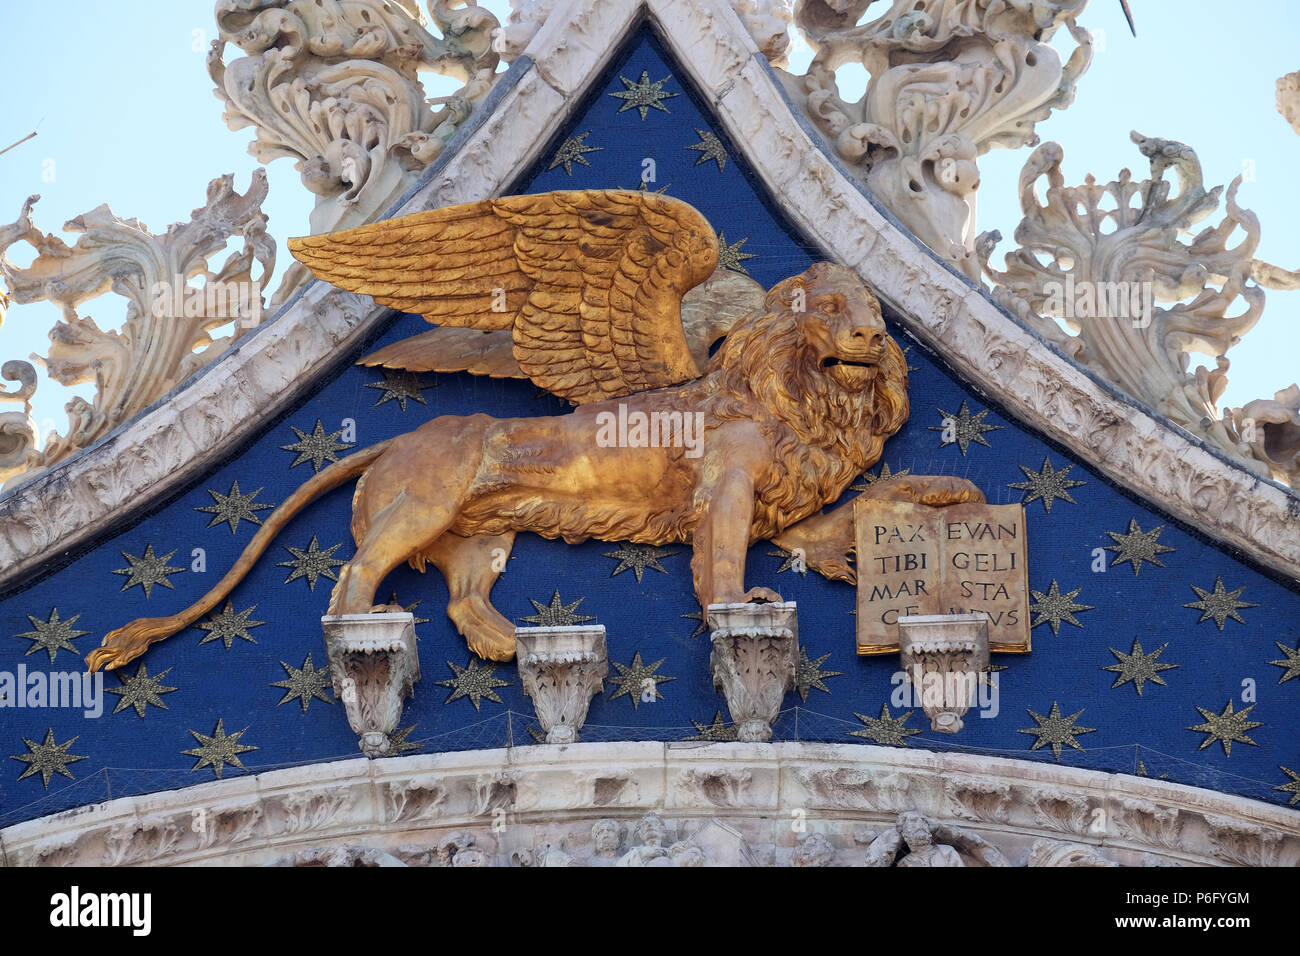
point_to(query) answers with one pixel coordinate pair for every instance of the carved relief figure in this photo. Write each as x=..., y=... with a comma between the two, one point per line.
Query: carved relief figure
x=606, y=835
x=930, y=844
x=581, y=292
x=651, y=832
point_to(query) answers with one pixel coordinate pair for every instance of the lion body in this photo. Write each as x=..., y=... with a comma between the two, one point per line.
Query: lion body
x=792, y=407
x=548, y=475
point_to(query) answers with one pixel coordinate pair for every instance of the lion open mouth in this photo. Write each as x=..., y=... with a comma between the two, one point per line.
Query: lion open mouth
x=849, y=373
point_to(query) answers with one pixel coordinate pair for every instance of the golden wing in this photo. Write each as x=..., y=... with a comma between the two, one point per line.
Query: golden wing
x=709, y=312
x=589, y=284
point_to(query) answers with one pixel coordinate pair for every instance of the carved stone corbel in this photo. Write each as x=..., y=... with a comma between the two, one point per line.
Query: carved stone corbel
x=754, y=661
x=374, y=664
x=944, y=656
x=561, y=669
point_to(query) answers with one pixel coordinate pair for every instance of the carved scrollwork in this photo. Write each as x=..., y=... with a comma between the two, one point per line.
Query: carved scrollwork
x=949, y=80
x=1098, y=259
x=168, y=330
x=335, y=85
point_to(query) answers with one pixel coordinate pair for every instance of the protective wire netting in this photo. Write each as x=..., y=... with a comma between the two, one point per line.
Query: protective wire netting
x=510, y=729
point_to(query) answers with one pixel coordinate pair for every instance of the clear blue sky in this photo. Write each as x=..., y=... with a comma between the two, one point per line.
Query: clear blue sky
x=126, y=116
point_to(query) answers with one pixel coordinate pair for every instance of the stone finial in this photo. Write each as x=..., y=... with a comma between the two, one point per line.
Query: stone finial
x=561, y=669
x=1141, y=303
x=754, y=662
x=945, y=656
x=375, y=664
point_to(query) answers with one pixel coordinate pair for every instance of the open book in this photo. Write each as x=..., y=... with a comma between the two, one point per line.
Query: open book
x=963, y=559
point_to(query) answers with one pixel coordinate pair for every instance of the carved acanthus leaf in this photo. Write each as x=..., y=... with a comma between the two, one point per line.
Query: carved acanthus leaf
x=166, y=335
x=335, y=85
x=768, y=22
x=949, y=80
x=1097, y=258
x=1288, y=98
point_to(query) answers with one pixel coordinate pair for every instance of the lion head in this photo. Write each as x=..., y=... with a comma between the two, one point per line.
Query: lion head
x=831, y=382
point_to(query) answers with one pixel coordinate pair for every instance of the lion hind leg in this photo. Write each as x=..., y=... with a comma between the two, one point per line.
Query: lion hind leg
x=471, y=567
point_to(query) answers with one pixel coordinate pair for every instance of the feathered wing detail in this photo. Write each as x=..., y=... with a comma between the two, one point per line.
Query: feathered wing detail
x=589, y=284
x=489, y=352
x=709, y=311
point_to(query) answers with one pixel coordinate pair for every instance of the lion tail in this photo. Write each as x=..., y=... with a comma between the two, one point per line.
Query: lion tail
x=128, y=642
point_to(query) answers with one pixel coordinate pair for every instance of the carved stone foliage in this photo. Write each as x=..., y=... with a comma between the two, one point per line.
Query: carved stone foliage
x=534, y=806
x=949, y=80
x=335, y=85
x=561, y=669
x=768, y=23
x=1288, y=98
x=167, y=332
x=755, y=655
x=374, y=664
x=18, y=435
x=1098, y=259
x=944, y=656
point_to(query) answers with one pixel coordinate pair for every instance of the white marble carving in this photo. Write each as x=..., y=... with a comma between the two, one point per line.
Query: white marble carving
x=1112, y=252
x=561, y=669
x=374, y=664
x=1288, y=98
x=18, y=435
x=754, y=660
x=167, y=332
x=335, y=85
x=944, y=657
x=926, y=843
x=303, y=815
x=948, y=80
x=1060, y=853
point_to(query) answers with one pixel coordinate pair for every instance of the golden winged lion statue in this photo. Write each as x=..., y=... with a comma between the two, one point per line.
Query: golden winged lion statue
x=607, y=298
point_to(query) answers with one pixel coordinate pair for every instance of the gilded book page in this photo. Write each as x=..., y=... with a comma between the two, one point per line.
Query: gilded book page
x=963, y=559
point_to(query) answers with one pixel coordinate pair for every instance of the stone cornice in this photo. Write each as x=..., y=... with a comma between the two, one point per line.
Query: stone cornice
x=185, y=434
x=509, y=802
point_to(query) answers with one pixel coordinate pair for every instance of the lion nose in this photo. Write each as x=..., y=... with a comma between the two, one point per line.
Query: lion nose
x=867, y=338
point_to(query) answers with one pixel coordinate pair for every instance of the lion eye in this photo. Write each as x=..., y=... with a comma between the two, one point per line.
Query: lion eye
x=831, y=308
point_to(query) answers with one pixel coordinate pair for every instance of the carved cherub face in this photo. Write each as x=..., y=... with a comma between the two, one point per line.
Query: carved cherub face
x=843, y=326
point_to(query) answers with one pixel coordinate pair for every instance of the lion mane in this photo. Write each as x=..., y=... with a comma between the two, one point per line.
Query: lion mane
x=822, y=436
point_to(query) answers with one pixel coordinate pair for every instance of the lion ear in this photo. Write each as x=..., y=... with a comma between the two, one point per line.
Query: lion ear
x=781, y=295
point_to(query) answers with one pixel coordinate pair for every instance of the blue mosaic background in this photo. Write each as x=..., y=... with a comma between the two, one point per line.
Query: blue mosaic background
x=125, y=753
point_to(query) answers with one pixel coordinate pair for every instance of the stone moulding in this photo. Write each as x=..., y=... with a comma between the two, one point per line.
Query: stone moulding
x=506, y=802
x=173, y=442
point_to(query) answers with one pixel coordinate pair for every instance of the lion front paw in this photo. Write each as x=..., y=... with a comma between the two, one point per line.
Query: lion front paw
x=762, y=596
